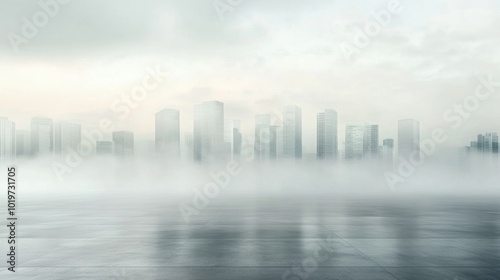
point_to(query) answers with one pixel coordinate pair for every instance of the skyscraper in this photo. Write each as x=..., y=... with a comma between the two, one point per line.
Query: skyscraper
x=42, y=136
x=292, y=132
x=7, y=141
x=67, y=138
x=408, y=138
x=370, y=141
x=123, y=142
x=23, y=143
x=354, y=141
x=232, y=138
x=208, y=131
x=388, y=152
x=361, y=141
x=327, y=146
x=167, y=134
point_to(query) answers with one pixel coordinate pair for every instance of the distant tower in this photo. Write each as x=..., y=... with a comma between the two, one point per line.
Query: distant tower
x=370, y=141
x=167, y=134
x=232, y=138
x=408, y=138
x=327, y=139
x=361, y=141
x=292, y=132
x=354, y=138
x=123, y=142
x=42, y=136
x=208, y=131
x=67, y=138
x=388, y=152
x=7, y=141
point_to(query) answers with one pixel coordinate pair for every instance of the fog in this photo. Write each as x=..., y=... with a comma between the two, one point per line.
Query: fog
x=450, y=173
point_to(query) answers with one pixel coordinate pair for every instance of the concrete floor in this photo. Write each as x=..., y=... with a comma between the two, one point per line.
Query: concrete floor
x=109, y=237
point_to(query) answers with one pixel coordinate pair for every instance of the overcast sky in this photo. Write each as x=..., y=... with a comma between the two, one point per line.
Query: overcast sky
x=260, y=56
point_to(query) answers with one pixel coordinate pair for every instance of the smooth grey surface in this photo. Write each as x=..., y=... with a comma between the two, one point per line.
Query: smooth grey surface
x=145, y=237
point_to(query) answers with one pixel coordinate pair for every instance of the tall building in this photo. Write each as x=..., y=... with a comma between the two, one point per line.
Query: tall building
x=23, y=143
x=361, y=141
x=208, y=131
x=370, y=141
x=42, y=136
x=292, y=132
x=7, y=141
x=327, y=146
x=388, y=152
x=123, y=142
x=354, y=141
x=67, y=138
x=232, y=138
x=408, y=138
x=104, y=148
x=167, y=134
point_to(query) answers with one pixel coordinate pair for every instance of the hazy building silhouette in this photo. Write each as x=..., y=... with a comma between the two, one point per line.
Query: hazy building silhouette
x=370, y=141
x=232, y=138
x=354, y=141
x=388, y=152
x=327, y=146
x=123, y=142
x=42, y=136
x=292, y=132
x=485, y=144
x=67, y=138
x=208, y=131
x=7, y=141
x=361, y=141
x=104, y=148
x=408, y=138
x=23, y=143
x=167, y=134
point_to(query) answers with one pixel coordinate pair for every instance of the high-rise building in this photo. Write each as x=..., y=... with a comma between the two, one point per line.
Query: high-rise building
x=388, y=152
x=408, y=138
x=42, y=136
x=67, y=138
x=292, y=132
x=370, y=141
x=123, y=142
x=23, y=143
x=232, y=138
x=354, y=141
x=361, y=141
x=327, y=146
x=104, y=148
x=7, y=141
x=208, y=131
x=167, y=134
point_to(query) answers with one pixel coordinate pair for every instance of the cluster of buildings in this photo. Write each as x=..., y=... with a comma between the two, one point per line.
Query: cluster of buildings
x=214, y=137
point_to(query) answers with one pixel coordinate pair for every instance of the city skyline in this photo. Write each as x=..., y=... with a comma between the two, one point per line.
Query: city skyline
x=215, y=136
